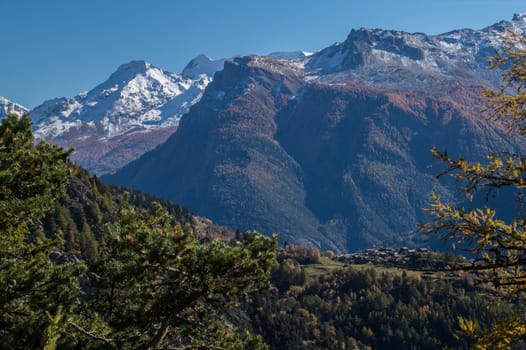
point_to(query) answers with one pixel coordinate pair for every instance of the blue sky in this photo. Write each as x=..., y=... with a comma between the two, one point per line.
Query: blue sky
x=56, y=48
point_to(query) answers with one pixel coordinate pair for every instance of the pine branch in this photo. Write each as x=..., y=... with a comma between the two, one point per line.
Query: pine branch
x=91, y=334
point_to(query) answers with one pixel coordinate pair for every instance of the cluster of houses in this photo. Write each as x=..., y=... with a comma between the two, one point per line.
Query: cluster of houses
x=387, y=256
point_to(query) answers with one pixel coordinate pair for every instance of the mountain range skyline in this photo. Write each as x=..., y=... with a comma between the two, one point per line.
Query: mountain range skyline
x=58, y=52
x=332, y=149
x=243, y=147
x=139, y=105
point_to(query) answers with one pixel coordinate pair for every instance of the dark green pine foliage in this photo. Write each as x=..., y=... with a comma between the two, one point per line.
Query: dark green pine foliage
x=80, y=215
x=33, y=288
x=155, y=285
x=88, y=243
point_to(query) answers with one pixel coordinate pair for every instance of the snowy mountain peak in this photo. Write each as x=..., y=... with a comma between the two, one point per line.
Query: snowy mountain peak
x=7, y=107
x=398, y=59
x=202, y=64
x=129, y=70
x=517, y=24
x=199, y=59
x=136, y=97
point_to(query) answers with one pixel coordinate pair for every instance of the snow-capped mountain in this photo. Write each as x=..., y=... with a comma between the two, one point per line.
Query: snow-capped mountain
x=140, y=99
x=133, y=111
x=202, y=64
x=332, y=149
x=395, y=59
x=137, y=97
x=8, y=106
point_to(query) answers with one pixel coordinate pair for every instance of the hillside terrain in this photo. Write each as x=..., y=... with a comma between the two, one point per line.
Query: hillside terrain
x=89, y=205
x=318, y=303
x=331, y=149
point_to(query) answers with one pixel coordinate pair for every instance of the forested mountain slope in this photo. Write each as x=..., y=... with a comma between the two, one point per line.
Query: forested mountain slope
x=339, y=166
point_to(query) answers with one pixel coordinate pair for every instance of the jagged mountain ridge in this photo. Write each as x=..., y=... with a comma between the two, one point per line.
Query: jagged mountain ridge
x=330, y=149
x=140, y=105
x=133, y=111
x=7, y=107
x=137, y=95
x=400, y=60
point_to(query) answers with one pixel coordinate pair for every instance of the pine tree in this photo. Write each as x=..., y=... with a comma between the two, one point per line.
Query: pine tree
x=88, y=244
x=156, y=284
x=32, y=286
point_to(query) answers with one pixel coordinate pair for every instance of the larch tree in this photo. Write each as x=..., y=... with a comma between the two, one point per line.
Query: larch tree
x=498, y=245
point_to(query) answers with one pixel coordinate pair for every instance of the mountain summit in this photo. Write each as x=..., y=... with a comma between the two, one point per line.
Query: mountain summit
x=134, y=98
x=331, y=149
x=128, y=114
x=396, y=59
x=200, y=65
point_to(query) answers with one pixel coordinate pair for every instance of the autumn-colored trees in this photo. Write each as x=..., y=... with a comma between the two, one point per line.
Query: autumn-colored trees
x=499, y=245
